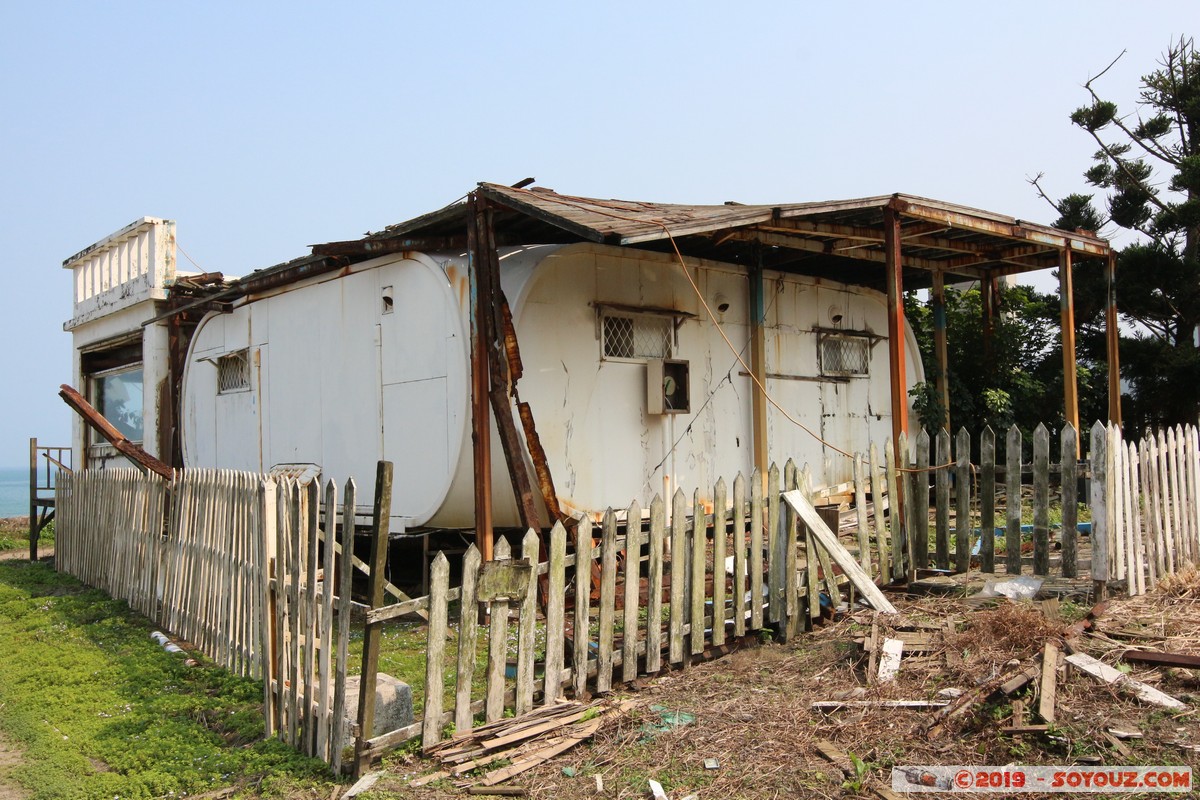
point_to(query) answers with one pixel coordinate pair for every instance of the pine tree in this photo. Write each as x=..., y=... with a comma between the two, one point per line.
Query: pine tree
x=1148, y=166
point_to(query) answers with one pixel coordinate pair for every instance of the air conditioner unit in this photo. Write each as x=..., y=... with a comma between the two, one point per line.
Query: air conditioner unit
x=668, y=386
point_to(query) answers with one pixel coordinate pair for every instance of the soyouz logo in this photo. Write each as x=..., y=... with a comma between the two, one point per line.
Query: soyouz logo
x=1016, y=779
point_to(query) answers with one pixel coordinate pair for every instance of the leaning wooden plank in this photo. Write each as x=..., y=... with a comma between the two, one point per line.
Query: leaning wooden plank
x=541, y=756
x=889, y=660
x=840, y=555
x=1144, y=692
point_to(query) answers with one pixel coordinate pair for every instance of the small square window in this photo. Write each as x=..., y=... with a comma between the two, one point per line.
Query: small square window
x=233, y=372
x=637, y=336
x=844, y=354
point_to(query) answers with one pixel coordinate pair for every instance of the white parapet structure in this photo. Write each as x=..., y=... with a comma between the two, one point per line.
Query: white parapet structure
x=119, y=362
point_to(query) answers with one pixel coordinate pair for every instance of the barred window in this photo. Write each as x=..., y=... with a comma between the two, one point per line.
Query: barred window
x=233, y=372
x=636, y=336
x=844, y=354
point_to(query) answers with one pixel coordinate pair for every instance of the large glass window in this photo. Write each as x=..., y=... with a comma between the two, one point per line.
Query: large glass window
x=117, y=394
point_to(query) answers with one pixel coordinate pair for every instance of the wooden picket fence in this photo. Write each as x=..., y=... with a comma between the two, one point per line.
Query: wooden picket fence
x=1144, y=501
x=235, y=564
x=246, y=567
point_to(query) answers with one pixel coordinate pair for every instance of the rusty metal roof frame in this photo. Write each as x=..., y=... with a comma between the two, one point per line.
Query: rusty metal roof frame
x=842, y=239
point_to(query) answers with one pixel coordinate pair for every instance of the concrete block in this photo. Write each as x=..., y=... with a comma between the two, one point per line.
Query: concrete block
x=393, y=704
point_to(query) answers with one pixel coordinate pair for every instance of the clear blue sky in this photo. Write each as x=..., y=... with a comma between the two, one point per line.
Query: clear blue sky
x=265, y=127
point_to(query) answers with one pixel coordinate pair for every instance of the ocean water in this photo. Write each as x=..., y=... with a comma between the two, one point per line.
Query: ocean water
x=14, y=491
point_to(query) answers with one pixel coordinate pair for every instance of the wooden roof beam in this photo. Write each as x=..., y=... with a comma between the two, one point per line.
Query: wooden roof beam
x=792, y=242
x=1021, y=232
x=917, y=235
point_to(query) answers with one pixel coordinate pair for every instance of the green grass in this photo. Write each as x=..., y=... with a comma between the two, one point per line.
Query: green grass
x=16, y=536
x=100, y=711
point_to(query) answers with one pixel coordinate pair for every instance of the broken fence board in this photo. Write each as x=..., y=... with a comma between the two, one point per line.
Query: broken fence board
x=1144, y=692
x=889, y=660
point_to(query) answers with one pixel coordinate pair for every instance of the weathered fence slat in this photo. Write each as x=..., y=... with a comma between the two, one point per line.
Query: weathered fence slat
x=608, y=602
x=583, y=599
x=556, y=586
x=1068, y=459
x=654, y=583
x=942, y=493
x=1098, y=456
x=877, y=502
x=631, y=570
x=756, y=550
x=918, y=537
x=439, y=589
x=1041, y=501
x=345, y=574
x=720, y=536
x=527, y=629
x=497, y=658
x=860, y=514
x=895, y=493
x=739, y=556
x=962, y=497
x=680, y=561
x=987, y=500
x=699, y=542
x=1012, y=502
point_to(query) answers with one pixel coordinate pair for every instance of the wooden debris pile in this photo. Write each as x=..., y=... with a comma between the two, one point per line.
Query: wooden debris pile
x=521, y=742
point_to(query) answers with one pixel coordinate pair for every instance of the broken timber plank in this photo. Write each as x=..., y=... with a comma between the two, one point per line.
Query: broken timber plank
x=559, y=745
x=1160, y=659
x=1144, y=692
x=1049, y=682
x=889, y=662
x=915, y=705
x=828, y=540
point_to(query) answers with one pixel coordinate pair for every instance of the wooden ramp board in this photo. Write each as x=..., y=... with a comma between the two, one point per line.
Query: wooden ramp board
x=840, y=555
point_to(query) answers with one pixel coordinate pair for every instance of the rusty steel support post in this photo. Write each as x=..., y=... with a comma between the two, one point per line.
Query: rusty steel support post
x=1112, y=337
x=1066, y=294
x=938, y=298
x=895, y=306
x=481, y=427
x=988, y=290
x=758, y=408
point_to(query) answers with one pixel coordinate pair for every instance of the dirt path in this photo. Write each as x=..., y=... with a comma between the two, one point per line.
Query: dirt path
x=10, y=757
x=22, y=554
